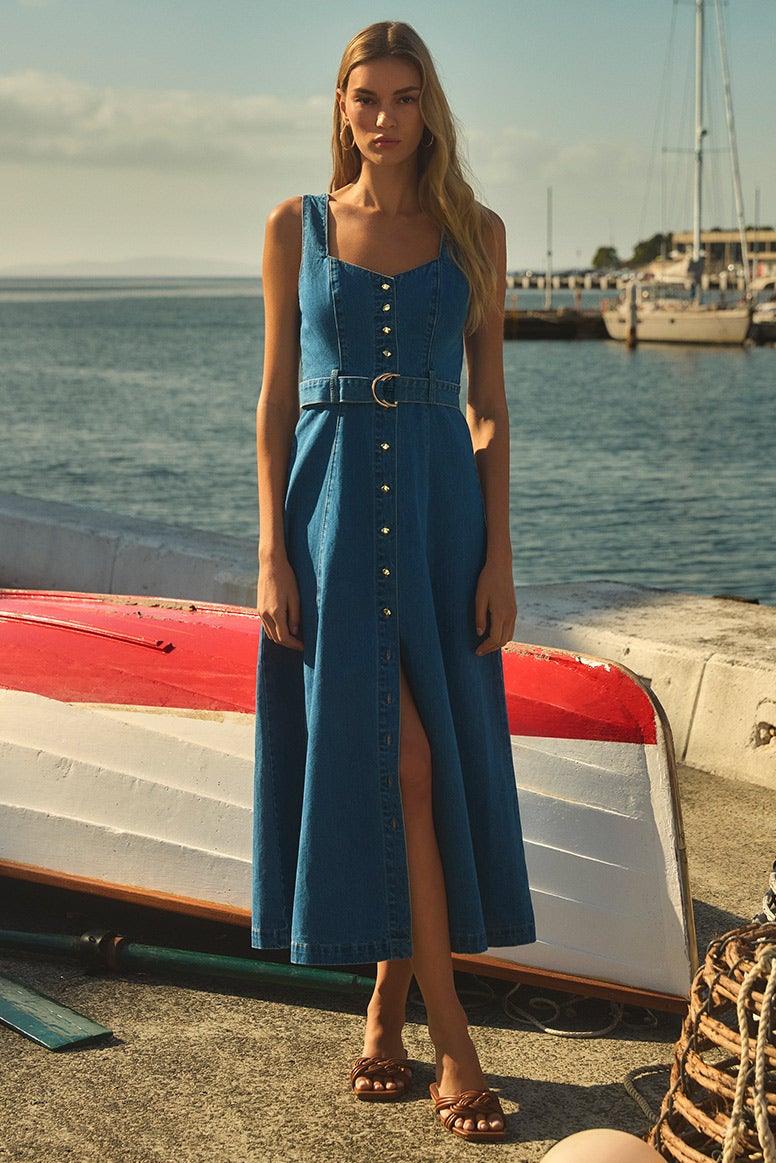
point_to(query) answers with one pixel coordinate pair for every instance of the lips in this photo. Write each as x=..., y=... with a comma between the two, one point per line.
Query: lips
x=385, y=141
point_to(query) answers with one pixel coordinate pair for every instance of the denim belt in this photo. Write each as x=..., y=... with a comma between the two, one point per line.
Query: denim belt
x=387, y=389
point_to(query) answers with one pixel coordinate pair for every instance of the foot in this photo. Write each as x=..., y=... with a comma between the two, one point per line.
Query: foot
x=383, y=1067
x=473, y=1114
x=459, y=1073
x=380, y=1079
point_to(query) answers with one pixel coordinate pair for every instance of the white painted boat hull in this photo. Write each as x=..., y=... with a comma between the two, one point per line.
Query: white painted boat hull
x=680, y=324
x=154, y=804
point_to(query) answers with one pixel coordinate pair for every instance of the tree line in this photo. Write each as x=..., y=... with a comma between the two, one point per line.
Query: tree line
x=607, y=258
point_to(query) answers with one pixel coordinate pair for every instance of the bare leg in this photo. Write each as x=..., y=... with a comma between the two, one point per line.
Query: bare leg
x=385, y=1018
x=457, y=1065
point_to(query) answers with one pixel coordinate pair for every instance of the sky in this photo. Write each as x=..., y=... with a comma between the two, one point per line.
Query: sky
x=161, y=132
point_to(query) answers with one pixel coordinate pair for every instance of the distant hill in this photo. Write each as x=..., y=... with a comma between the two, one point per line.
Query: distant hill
x=154, y=267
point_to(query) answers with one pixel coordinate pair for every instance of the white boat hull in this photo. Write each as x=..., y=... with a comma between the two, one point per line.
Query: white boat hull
x=153, y=803
x=680, y=324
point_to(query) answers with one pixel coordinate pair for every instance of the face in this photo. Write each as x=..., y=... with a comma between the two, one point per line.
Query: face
x=381, y=104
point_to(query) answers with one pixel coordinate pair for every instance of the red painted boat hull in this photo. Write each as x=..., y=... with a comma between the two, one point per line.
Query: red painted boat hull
x=127, y=762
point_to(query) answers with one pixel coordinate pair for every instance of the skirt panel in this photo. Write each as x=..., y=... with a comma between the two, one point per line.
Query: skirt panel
x=385, y=530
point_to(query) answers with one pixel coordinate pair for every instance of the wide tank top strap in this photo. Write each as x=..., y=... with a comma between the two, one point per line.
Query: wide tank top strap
x=315, y=208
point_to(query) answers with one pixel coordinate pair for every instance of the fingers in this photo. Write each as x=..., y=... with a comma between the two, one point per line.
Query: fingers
x=491, y=644
x=282, y=630
x=279, y=604
x=500, y=631
x=481, y=611
x=282, y=625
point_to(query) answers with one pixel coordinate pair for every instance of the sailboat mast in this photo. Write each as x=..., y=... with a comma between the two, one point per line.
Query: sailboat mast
x=733, y=148
x=699, y=132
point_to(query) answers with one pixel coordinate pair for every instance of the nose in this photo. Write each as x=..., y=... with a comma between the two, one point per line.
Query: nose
x=384, y=118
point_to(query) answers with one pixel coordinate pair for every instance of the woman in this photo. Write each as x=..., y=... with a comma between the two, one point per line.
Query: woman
x=386, y=817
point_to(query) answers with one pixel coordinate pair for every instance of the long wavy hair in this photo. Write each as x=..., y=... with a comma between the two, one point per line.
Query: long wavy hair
x=443, y=190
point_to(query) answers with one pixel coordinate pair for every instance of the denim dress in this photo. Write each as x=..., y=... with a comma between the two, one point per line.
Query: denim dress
x=385, y=532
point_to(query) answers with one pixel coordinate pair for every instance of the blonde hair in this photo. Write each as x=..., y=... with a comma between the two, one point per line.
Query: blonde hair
x=443, y=191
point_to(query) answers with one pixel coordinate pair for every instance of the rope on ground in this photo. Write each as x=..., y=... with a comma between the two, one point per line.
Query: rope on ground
x=553, y=1011
x=632, y=1090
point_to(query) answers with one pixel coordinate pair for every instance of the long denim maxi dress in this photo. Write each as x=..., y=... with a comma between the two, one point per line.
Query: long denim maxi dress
x=385, y=532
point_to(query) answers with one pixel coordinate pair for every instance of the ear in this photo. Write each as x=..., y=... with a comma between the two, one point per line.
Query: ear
x=341, y=102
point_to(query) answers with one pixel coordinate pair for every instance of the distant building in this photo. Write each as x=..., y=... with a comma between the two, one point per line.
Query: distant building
x=723, y=249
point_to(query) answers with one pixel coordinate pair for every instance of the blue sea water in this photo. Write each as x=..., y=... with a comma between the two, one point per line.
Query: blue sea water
x=656, y=466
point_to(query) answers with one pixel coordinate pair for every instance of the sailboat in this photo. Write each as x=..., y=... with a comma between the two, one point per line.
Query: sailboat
x=654, y=311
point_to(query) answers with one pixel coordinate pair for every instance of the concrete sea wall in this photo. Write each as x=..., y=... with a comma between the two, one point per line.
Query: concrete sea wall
x=710, y=661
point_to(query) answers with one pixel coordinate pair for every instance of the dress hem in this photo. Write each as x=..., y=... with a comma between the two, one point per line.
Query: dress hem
x=397, y=950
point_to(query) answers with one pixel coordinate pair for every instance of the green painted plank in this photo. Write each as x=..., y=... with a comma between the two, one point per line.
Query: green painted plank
x=44, y=1020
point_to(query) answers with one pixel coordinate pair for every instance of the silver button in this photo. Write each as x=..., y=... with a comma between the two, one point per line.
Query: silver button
x=386, y=330
x=385, y=488
x=386, y=572
x=385, y=446
x=387, y=612
x=387, y=353
x=386, y=306
x=385, y=530
x=385, y=286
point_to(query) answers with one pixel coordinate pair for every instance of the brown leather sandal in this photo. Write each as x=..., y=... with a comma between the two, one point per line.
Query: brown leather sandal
x=397, y=1070
x=470, y=1104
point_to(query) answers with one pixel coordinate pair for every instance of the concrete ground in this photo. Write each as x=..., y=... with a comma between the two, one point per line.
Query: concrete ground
x=231, y=1074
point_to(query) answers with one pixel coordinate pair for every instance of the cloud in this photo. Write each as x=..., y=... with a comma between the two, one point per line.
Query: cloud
x=511, y=155
x=598, y=191
x=48, y=118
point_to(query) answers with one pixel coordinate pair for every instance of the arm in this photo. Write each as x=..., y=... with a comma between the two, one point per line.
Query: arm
x=276, y=417
x=488, y=420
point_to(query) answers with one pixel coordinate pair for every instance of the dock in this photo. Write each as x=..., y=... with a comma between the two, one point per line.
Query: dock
x=565, y=323
x=257, y=1073
x=238, y=1073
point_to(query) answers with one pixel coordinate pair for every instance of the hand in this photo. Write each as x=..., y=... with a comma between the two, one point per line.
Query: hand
x=495, y=607
x=278, y=603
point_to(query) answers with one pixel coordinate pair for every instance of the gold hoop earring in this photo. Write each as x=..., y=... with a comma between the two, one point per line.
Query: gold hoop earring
x=430, y=142
x=343, y=139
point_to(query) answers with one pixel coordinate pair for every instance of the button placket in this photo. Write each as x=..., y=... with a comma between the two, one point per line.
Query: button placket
x=387, y=612
x=386, y=592
x=385, y=336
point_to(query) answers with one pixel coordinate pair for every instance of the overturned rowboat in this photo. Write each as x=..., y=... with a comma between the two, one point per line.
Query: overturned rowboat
x=126, y=751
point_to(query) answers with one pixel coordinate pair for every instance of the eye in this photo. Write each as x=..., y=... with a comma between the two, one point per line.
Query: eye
x=363, y=100
x=408, y=100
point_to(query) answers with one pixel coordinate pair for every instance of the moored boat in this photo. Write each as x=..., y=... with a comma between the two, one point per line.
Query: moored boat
x=666, y=314
x=662, y=312
x=127, y=746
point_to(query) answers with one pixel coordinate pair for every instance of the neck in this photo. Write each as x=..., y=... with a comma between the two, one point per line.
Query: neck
x=392, y=191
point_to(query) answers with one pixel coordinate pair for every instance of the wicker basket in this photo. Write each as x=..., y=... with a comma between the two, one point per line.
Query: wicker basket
x=731, y=998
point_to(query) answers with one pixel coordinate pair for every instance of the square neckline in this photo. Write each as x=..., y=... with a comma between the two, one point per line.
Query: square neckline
x=368, y=270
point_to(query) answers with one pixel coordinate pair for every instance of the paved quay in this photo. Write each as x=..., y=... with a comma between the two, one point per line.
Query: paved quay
x=210, y=1072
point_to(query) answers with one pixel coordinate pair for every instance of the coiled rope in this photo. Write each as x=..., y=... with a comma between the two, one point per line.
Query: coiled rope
x=721, y=1103
x=765, y=965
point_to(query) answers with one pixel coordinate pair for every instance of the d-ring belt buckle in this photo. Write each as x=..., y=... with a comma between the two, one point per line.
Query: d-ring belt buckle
x=382, y=379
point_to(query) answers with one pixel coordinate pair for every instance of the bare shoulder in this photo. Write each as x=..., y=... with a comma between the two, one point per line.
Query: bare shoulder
x=493, y=228
x=284, y=223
